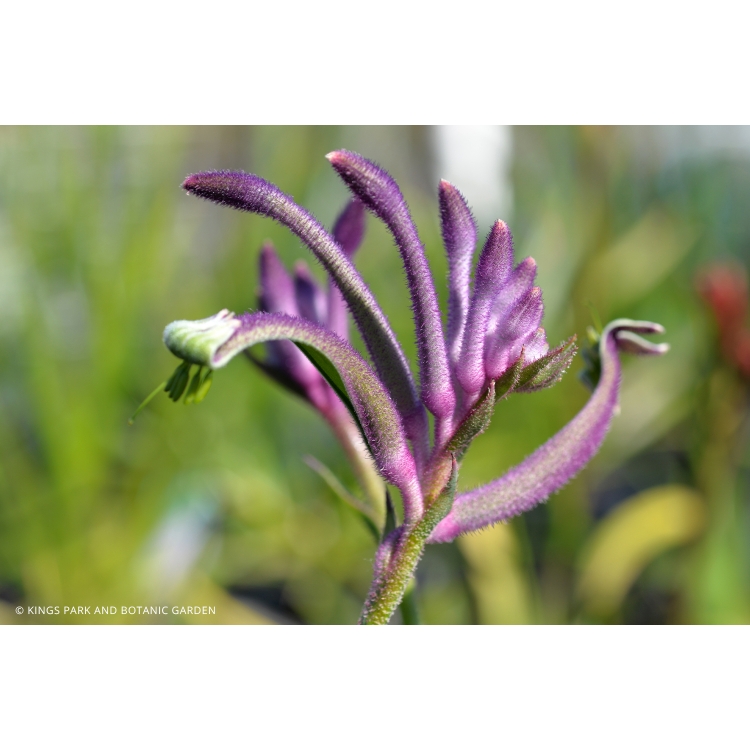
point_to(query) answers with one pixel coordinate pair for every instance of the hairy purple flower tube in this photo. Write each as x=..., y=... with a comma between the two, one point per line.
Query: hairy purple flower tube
x=380, y=193
x=493, y=346
x=493, y=271
x=460, y=239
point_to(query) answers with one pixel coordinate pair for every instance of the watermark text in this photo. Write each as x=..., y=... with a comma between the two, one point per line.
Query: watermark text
x=113, y=609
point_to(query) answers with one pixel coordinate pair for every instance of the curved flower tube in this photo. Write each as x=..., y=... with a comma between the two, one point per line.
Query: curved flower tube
x=554, y=464
x=213, y=342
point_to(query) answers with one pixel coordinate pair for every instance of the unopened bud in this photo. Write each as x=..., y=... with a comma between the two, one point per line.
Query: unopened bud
x=196, y=341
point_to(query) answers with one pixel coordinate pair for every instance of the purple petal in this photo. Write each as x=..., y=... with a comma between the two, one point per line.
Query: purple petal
x=311, y=302
x=556, y=462
x=276, y=285
x=349, y=229
x=348, y=232
x=519, y=282
x=277, y=295
x=460, y=238
x=252, y=193
x=518, y=326
x=536, y=346
x=493, y=270
x=279, y=374
x=380, y=193
x=375, y=409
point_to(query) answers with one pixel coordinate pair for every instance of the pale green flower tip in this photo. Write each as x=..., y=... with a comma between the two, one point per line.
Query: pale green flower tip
x=196, y=341
x=636, y=326
x=626, y=334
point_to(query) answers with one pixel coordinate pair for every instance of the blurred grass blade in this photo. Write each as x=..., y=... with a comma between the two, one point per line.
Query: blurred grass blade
x=638, y=261
x=146, y=401
x=631, y=537
x=496, y=576
x=369, y=516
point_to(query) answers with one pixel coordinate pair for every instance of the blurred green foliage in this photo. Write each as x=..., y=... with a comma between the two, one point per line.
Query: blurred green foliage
x=214, y=504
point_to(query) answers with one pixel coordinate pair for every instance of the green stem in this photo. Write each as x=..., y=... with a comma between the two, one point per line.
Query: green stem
x=389, y=587
x=397, y=568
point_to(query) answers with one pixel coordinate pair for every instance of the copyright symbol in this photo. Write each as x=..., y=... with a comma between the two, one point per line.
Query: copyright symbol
x=19, y=610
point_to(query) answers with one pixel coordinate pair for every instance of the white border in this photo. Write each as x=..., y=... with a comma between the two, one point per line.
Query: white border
x=588, y=687
x=394, y=62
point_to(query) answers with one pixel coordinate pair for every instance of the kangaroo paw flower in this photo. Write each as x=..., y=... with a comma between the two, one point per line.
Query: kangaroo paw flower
x=494, y=346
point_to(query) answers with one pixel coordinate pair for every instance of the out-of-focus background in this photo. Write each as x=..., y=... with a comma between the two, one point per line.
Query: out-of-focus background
x=214, y=505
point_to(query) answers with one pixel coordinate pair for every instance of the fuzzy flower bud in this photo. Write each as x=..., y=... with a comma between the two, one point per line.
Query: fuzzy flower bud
x=196, y=341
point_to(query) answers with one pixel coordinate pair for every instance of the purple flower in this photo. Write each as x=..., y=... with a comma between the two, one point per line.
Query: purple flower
x=493, y=346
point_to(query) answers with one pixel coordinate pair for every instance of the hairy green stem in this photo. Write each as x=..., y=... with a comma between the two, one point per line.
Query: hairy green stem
x=399, y=555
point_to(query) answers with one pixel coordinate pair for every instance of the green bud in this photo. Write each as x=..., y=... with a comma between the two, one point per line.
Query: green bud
x=196, y=341
x=506, y=383
x=549, y=369
x=593, y=336
x=474, y=424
